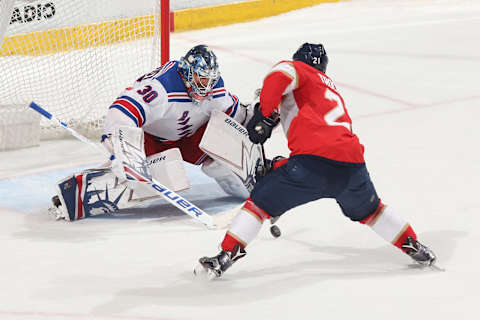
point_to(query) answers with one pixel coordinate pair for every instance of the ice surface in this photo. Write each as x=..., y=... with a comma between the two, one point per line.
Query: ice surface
x=408, y=71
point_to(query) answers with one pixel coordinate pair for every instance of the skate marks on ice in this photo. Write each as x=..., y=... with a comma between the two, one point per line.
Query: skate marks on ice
x=39, y=225
x=272, y=269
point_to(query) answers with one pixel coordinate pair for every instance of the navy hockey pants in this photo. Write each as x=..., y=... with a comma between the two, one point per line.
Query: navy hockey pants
x=306, y=178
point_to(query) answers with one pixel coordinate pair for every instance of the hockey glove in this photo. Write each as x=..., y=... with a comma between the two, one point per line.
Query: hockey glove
x=260, y=127
x=128, y=160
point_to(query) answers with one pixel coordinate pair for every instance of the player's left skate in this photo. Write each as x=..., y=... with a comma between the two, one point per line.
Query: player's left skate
x=214, y=267
x=419, y=252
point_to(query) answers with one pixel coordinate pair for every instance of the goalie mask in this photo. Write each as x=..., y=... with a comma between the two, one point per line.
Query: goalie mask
x=199, y=70
x=313, y=55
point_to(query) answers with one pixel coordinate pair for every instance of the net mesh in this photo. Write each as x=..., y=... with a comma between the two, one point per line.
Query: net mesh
x=73, y=57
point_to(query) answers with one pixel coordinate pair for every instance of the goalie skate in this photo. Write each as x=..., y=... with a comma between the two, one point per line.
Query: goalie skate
x=55, y=210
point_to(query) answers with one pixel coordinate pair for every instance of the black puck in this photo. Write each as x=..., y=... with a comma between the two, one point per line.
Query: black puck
x=275, y=231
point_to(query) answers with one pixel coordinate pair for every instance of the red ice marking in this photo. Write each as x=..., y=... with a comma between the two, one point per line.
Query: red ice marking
x=379, y=95
x=419, y=106
x=409, y=105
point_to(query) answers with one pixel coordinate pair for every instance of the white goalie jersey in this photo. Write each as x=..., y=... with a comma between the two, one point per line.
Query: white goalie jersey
x=159, y=103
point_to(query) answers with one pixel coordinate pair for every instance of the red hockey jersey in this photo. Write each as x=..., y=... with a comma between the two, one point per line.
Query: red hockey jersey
x=312, y=112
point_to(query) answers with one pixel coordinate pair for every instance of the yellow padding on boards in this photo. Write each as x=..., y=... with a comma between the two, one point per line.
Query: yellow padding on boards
x=121, y=30
x=206, y=17
x=78, y=37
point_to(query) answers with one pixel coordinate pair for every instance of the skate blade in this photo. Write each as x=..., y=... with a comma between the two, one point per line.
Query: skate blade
x=420, y=266
x=200, y=272
x=437, y=268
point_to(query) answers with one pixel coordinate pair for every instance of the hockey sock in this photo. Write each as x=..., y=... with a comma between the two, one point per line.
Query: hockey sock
x=390, y=226
x=245, y=226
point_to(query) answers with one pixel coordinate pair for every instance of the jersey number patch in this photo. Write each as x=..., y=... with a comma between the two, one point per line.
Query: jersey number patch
x=332, y=116
x=148, y=94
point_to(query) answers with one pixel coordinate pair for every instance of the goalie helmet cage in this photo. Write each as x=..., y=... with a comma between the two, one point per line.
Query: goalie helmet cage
x=76, y=56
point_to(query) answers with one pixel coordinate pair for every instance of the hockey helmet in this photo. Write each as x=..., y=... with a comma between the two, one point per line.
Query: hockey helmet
x=199, y=69
x=313, y=55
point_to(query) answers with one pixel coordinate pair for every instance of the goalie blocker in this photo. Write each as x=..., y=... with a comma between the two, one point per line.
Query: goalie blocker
x=226, y=141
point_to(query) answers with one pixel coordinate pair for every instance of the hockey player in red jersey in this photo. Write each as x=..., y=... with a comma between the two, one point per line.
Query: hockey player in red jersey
x=326, y=161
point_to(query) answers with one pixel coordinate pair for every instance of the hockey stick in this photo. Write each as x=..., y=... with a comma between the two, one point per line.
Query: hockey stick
x=169, y=195
x=274, y=229
x=50, y=117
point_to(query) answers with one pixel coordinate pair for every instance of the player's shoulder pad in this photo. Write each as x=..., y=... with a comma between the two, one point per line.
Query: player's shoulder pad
x=286, y=67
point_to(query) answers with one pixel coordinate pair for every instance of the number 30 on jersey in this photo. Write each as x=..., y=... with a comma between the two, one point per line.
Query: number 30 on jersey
x=148, y=95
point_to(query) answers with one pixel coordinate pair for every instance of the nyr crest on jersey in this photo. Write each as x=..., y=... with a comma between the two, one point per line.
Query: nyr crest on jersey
x=184, y=126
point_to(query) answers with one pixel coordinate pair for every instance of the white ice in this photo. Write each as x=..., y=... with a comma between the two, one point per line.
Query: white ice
x=409, y=72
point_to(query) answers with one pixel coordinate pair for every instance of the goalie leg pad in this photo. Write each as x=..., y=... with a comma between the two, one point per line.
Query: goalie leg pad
x=92, y=192
x=226, y=179
x=99, y=191
x=168, y=168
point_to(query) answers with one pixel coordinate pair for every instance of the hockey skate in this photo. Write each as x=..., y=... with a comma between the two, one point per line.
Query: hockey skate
x=55, y=211
x=419, y=252
x=214, y=267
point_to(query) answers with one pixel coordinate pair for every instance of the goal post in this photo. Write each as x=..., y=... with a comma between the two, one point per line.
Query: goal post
x=165, y=30
x=76, y=56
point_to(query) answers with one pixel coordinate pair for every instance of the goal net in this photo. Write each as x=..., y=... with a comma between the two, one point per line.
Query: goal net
x=73, y=57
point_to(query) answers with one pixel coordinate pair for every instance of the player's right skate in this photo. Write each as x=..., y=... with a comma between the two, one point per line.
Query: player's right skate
x=56, y=211
x=214, y=267
x=419, y=252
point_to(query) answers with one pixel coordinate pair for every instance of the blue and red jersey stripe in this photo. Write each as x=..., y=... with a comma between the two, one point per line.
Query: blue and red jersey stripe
x=131, y=108
x=232, y=110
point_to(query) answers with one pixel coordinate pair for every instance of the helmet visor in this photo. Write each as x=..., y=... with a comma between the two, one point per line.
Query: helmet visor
x=205, y=79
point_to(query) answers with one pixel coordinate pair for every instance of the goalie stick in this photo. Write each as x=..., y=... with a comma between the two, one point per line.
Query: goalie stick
x=178, y=201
